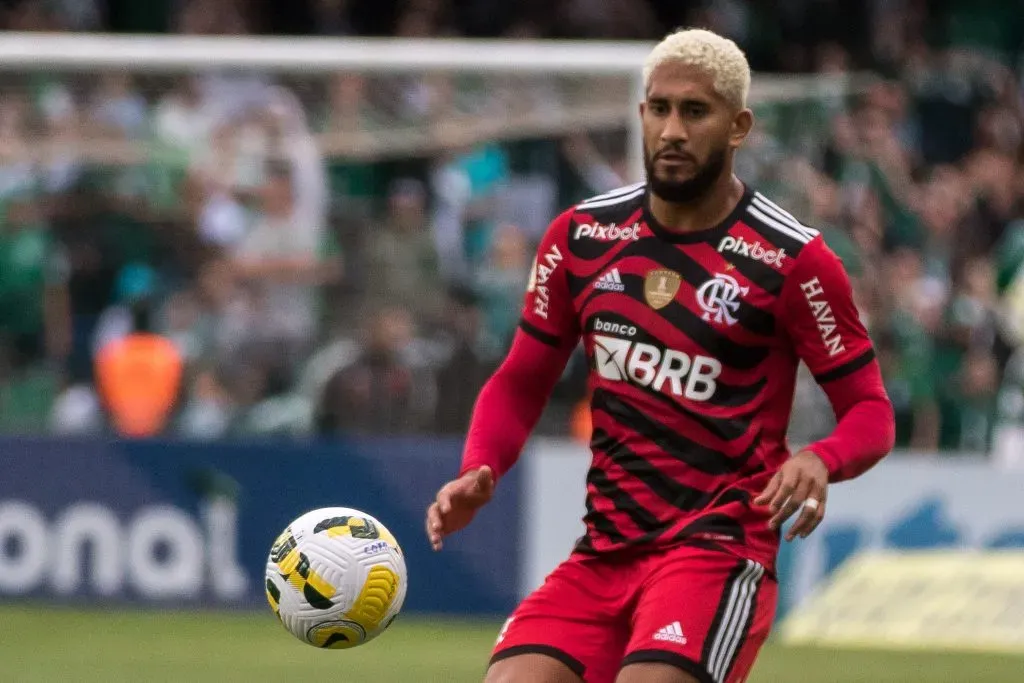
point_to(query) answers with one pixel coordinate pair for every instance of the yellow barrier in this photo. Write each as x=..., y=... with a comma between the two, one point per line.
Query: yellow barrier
x=948, y=600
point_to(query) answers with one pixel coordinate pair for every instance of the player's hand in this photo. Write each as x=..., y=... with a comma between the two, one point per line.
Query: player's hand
x=802, y=478
x=457, y=503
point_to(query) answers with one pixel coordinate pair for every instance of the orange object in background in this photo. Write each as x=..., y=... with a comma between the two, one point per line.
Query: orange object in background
x=139, y=378
x=581, y=423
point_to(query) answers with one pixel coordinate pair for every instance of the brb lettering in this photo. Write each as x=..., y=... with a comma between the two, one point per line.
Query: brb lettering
x=621, y=360
x=822, y=312
x=542, y=271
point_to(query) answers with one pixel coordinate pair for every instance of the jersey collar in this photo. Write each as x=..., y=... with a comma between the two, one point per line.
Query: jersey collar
x=712, y=234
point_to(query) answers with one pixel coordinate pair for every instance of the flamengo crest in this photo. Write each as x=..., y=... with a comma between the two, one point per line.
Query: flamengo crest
x=720, y=298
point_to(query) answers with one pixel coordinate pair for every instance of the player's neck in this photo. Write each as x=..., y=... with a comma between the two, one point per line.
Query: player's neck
x=703, y=213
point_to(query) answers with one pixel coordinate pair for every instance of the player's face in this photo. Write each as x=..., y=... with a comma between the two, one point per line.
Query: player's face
x=690, y=132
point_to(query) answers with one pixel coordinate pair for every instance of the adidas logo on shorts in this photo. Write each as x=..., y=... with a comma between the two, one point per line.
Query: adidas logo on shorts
x=610, y=282
x=672, y=633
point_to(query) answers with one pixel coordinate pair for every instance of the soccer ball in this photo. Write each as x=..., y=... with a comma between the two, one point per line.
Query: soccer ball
x=336, y=578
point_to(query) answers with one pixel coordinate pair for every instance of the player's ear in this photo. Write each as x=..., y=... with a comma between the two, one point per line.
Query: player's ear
x=742, y=122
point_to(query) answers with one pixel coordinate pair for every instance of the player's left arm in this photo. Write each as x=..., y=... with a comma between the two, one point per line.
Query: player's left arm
x=821, y=321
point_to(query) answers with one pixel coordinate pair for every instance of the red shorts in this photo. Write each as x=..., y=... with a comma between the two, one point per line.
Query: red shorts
x=705, y=611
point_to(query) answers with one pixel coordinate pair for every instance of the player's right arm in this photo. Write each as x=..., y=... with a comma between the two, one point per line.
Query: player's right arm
x=512, y=400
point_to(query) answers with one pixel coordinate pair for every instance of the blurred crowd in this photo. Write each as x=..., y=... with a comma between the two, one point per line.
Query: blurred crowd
x=348, y=253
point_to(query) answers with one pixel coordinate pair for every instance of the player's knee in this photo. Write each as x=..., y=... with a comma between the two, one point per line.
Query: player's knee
x=530, y=668
x=654, y=672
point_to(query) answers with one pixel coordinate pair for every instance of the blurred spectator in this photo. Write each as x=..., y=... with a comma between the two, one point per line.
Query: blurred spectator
x=208, y=409
x=502, y=282
x=181, y=119
x=280, y=258
x=139, y=378
x=594, y=169
x=471, y=358
x=966, y=356
x=30, y=15
x=348, y=109
x=118, y=110
x=465, y=185
x=179, y=322
x=270, y=408
x=971, y=425
x=76, y=411
x=78, y=15
x=331, y=17
x=212, y=17
x=905, y=349
x=35, y=319
x=136, y=284
x=221, y=219
x=386, y=390
x=401, y=261
x=226, y=316
x=617, y=19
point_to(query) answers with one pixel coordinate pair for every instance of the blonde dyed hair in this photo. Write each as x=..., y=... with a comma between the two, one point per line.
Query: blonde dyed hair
x=719, y=57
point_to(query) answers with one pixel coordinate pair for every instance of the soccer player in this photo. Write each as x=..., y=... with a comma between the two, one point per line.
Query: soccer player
x=696, y=297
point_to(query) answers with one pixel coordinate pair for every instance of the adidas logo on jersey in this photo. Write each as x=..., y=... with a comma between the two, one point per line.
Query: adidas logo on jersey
x=672, y=633
x=610, y=282
x=738, y=245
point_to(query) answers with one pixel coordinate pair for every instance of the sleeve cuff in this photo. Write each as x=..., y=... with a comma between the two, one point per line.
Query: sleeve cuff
x=470, y=466
x=833, y=463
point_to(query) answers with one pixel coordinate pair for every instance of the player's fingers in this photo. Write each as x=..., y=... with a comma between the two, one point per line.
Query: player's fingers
x=787, y=485
x=435, y=526
x=812, y=514
x=485, y=480
x=807, y=512
x=444, y=500
x=769, y=490
x=434, y=519
x=798, y=495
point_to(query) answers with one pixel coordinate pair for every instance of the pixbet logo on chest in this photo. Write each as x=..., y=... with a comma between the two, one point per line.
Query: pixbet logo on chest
x=608, y=232
x=738, y=245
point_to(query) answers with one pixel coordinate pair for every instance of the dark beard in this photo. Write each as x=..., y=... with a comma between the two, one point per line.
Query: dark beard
x=686, y=191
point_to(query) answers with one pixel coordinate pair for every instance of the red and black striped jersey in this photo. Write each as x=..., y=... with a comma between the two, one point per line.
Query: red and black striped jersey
x=693, y=341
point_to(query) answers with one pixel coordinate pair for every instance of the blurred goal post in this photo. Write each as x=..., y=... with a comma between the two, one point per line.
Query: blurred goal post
x=610, y=74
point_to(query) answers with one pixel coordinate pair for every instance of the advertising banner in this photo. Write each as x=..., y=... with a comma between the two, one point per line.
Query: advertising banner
x=908, y=501
x=923, y=599
x=171, y=523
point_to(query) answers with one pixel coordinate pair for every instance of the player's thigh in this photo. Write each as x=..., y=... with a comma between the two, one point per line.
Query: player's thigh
x=572, y=628
x=654, y=672
x=703, y=612
x=532, y=668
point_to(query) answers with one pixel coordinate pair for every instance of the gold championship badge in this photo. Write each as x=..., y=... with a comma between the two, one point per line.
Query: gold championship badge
x=660, y=287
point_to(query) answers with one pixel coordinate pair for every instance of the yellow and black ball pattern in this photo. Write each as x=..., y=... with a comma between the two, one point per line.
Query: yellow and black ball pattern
x=336, y=578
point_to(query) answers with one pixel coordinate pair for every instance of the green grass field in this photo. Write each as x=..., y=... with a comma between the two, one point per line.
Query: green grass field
x=48, y=644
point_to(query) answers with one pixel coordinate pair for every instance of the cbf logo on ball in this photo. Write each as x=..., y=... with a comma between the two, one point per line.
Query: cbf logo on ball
x=608, y=233
x=738, y=245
